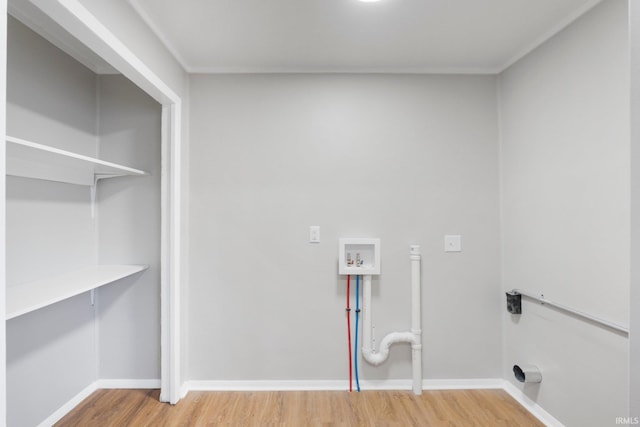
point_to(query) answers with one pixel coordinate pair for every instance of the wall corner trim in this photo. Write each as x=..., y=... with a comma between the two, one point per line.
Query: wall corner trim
x=93, y=387
x=67, y=407
x=530, y=405
x=184, y=389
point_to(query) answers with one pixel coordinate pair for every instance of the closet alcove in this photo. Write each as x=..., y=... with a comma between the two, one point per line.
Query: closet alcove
x=83, y=203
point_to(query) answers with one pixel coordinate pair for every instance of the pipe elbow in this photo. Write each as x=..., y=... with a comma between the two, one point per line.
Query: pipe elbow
x=408, y=337
x=377, y=358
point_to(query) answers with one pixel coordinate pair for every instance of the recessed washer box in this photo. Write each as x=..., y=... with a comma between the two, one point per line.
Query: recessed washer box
x=359, y=256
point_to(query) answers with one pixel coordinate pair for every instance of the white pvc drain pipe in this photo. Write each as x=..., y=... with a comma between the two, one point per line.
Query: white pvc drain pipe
x=413, y=337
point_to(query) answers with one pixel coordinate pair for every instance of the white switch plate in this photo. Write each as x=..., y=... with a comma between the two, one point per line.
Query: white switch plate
x=314, y=234
x=453, y=243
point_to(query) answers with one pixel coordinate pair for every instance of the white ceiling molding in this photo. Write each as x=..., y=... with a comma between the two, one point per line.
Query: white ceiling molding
x=561, y=25
x=335, y=70
x=161, y=36
x=479, y=36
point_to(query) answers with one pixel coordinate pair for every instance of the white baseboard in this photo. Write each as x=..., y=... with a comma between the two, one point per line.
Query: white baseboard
x=127, y=384
x=311, y=385
x=531, y=406
x=96, y=385
x=333, y=385
x=184, y=389
x=67, y=407
x=266, y=385
x=463, y=384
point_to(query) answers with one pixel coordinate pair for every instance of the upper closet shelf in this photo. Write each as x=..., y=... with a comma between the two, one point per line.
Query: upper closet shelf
x=27, y=297
x=32, y=160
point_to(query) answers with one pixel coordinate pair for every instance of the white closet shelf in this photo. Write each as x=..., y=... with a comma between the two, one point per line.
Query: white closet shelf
x=31, y=296
x=32, y=160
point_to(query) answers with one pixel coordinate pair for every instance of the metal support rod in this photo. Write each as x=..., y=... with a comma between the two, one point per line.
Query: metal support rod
x=541, y=299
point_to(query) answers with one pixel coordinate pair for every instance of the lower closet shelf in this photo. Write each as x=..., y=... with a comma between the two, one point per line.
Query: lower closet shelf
x=22, y=299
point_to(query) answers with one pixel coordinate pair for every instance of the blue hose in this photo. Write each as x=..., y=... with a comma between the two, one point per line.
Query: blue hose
x=355, y=346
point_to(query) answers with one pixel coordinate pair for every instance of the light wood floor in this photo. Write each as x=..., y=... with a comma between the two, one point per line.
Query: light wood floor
x=309, y=408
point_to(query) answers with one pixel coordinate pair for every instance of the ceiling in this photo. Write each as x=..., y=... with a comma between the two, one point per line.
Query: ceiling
x=389, y=36
x=396, y=36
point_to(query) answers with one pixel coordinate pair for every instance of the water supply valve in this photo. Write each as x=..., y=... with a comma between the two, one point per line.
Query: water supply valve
x=359, y=256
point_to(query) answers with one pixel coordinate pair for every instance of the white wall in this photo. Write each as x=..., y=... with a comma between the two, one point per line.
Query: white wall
x=634, y=354
x=129, y=232
x=565, y=214
x=3, y=100
x=404, y=158
x=36, y=92
x=51, y=355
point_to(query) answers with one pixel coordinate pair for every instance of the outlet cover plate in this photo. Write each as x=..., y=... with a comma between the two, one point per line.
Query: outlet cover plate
x=453, y=243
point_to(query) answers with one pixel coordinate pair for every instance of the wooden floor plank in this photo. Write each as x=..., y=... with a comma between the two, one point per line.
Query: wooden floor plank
x=137, y=408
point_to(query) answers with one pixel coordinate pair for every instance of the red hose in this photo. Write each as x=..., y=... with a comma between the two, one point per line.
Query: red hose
x=349, y=331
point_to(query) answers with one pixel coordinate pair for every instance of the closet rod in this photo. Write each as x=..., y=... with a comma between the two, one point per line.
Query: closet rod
x=541, y=299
